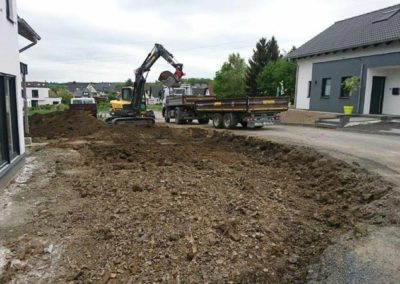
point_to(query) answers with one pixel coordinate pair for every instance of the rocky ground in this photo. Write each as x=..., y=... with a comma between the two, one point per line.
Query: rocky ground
x=164, y=205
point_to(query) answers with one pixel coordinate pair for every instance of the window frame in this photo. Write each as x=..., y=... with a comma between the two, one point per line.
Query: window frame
x=37, y=94
x=10, y=11
x=323, y=91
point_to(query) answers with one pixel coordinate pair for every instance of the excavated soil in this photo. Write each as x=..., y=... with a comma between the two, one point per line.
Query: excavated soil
x=63, y=124
x=164, y=205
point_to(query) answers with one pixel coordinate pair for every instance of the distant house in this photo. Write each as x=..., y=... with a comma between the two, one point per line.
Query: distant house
x=366, y=46
x=38, y=94
x=12, y=146
x=92, y=90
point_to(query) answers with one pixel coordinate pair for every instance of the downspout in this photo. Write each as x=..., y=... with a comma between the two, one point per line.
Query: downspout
x=26, y=118
x=360, y=89
x=27, y=47
x=26, y=121
x=295, y=90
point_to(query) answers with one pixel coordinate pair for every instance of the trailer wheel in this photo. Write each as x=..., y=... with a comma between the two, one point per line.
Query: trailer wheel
x=229, y=120
x=217, y=120
x=178, y=116
x=167, y=116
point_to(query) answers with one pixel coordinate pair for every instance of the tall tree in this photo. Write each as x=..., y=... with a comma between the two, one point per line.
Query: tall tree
x=272, y=50
x=265, y=52
x=279, y=75
x=230, y=79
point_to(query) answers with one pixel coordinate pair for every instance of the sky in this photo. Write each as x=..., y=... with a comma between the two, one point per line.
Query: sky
x=98, y=40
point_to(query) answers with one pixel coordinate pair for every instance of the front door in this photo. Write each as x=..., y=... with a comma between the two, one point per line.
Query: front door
x=378, y=91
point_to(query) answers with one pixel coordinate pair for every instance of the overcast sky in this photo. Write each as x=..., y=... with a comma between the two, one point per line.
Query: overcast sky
x=94, y=40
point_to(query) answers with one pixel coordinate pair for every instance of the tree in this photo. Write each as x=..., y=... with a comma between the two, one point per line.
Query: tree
x=272, y=50
x=230, y=79
x=128, y=83
x=278, y=74
x=61, y=92
x=264, y=53
x=193, y=81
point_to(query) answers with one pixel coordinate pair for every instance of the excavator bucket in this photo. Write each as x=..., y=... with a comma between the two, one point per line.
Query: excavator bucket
x=168, y=79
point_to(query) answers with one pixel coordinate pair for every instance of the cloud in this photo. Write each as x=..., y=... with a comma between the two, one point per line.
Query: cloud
x=96, y=40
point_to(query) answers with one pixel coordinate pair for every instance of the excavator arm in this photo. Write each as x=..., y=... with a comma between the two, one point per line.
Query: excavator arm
x=165, y=77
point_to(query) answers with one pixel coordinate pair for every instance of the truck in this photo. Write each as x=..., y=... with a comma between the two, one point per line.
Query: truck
x=83, y=104
x=249, y=112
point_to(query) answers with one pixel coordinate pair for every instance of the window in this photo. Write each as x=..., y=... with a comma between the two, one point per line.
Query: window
x=126, y=95
x=9, y=132
x=309, y=89
x=386, y=16
x=9, y=10
x=35, y=93
x=326, y=87
x=343, y=92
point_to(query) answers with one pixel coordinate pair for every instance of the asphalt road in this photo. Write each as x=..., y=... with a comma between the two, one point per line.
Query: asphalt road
x=375, y=152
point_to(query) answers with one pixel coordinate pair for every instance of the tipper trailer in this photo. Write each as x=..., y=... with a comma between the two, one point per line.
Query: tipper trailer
x=251, y=112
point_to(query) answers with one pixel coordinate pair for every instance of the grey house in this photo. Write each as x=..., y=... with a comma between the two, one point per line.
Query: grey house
x=366, y=46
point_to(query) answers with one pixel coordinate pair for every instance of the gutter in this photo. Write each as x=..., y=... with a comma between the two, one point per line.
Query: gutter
x=26, y=31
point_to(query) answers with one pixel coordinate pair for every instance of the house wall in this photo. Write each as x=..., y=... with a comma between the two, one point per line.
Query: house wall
x=342, y=68
x=304, y=75
x=305, y=67
x=10, y=65
x=391, y=103
x=43, y=97
x=42, y=92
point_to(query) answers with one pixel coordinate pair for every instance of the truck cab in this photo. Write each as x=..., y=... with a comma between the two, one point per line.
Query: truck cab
x=183, y=90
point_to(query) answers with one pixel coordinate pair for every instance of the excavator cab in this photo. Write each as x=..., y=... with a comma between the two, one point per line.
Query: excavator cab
x=125, y=102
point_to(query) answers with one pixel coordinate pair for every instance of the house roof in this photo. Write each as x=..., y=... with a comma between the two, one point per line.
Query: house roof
x=37, y=85
x=381, y=26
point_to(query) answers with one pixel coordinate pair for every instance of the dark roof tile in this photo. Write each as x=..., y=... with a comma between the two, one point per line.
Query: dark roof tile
x=359, y=31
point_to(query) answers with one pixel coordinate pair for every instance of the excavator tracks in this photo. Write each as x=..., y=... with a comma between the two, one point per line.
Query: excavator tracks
x=130, y=121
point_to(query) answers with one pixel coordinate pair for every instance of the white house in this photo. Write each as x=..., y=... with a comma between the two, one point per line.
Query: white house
x=38, y=94
x=12, y=146
x=366, y=46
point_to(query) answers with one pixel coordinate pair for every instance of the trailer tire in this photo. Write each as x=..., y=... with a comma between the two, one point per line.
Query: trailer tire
x=167, y=116
x=229, y=120
x=178, y=116
x=218, y=120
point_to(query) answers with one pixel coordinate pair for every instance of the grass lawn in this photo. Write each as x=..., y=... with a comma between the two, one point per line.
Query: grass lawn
x=155, y=107
x=46, y=109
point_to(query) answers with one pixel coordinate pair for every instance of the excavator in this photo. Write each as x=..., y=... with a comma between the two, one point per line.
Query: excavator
x=131, y=108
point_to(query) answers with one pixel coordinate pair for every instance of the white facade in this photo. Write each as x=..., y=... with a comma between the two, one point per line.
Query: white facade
x=12, y=144
x=39, y=96
x=9, y=58
x=305, y=67
x=391, y=103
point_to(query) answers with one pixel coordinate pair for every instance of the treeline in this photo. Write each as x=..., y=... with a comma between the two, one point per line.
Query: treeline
x=268, y=73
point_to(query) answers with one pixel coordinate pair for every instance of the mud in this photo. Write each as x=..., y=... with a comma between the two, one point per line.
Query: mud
x=161, y=205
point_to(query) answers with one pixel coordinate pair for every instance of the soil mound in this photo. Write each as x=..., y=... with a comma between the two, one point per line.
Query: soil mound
x=64, y=124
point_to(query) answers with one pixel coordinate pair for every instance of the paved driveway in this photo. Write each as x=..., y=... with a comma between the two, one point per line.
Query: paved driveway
x=378, y=153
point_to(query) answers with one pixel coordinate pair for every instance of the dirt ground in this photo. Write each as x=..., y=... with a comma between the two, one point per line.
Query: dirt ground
x=303, y=117
x=166, y=205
